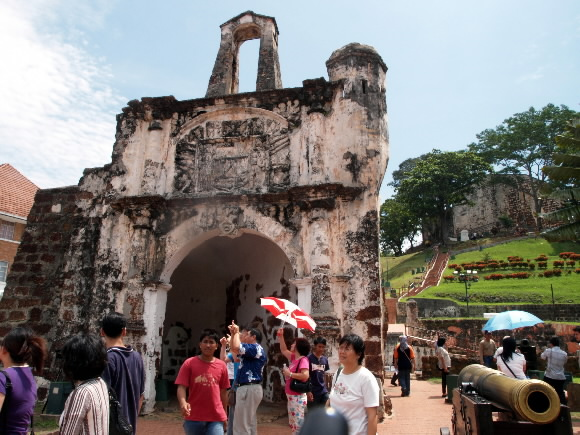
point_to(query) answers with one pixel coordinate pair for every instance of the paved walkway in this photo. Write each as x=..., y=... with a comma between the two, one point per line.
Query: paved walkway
x=423, y=412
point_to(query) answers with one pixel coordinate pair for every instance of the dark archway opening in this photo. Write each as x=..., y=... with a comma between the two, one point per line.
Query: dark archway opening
x=222, y=280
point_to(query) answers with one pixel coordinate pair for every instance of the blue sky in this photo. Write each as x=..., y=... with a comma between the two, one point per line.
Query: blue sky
x=455, y=67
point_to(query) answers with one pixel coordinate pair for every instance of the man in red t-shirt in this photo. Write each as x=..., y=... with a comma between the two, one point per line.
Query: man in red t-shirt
x=206, y=377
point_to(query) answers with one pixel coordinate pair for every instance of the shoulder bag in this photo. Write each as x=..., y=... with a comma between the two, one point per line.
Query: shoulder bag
x=118, y=423
x=300, y=386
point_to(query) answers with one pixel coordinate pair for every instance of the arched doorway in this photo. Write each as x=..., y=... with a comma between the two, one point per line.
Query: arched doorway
x=220, y=280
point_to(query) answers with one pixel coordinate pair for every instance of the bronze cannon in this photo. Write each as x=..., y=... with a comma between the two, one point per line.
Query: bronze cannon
x=525, y=406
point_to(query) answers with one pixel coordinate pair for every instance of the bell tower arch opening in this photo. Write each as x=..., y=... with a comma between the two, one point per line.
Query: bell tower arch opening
x=220, y=280
x=248, y=65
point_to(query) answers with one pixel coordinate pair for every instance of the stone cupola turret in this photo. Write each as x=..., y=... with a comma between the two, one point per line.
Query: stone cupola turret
x=246, y=26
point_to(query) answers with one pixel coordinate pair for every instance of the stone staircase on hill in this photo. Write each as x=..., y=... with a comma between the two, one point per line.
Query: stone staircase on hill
x=439, y=262
x=435, y=270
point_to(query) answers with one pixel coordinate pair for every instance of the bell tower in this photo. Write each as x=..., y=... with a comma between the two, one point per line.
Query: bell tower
x=224, y=79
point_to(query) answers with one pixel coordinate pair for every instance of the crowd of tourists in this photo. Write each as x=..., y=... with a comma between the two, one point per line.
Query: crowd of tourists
x=223, y=394
x=219, y=390
x=100, y=367
x=516, y=362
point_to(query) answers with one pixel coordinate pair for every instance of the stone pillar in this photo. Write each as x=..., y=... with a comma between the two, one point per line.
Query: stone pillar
x=155, y=301
x=145, y=299
x=304, y=292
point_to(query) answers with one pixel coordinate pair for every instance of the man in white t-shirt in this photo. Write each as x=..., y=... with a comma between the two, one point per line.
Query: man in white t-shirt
x=554, y=374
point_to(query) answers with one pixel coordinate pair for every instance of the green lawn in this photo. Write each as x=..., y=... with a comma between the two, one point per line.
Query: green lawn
x=536, y=289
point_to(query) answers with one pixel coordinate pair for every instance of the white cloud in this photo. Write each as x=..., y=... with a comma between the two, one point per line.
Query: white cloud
x=57, y=107
x=538, y=74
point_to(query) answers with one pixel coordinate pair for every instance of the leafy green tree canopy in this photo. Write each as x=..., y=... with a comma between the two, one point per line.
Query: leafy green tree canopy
x=524, y=144
x=566, y=171
x=398, y=224
x=438, y=181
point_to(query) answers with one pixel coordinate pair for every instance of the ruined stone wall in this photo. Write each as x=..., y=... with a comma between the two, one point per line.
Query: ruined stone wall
x=492, y=200
x=298, y=168
x=426, y=308
x=52, y=282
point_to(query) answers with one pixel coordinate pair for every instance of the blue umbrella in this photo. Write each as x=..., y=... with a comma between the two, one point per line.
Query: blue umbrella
x=511, y=320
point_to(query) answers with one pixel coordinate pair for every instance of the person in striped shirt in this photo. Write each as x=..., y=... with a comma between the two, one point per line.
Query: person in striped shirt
x=86, y=411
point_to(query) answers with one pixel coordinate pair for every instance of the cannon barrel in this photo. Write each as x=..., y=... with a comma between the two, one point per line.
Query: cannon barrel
x=531, y=399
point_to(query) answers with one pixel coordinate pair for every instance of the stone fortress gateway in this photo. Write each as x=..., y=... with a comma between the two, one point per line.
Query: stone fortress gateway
x=210, y=204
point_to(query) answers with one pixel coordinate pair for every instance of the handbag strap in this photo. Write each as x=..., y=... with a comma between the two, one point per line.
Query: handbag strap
x=337, y=375
x=309, y=366
x=506, y=364
x=405, y=353
x=298, y=365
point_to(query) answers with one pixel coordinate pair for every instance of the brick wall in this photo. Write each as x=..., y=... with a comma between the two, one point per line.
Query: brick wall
x=8, y=249
x=39, y=277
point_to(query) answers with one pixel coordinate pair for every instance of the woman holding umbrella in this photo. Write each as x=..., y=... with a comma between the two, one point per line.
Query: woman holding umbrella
x=297, y=355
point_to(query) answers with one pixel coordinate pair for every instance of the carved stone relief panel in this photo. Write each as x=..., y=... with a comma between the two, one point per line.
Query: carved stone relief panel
x=227, y=218
x=234, y=156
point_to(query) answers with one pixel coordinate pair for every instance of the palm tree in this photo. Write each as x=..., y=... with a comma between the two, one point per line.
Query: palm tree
x=567, y=176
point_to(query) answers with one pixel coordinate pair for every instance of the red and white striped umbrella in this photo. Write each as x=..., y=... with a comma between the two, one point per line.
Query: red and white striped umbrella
x=288, y=312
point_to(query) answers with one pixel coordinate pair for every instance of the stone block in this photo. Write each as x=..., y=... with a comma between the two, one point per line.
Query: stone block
x=574, y=397
x=19, y=267
x=34, y=314
x=17, y=315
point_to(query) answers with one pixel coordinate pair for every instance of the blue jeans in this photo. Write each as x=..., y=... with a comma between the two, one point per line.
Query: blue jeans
x=405, y=381
x=203, y=427
x=488, y=361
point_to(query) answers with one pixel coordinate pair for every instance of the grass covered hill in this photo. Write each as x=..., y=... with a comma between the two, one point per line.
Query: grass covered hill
x=529, y=278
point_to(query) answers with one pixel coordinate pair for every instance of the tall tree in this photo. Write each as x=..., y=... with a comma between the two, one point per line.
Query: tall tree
x=398, y=224
x=523, y=144
x=437, y=182
x=404, y=167
x=566, y=171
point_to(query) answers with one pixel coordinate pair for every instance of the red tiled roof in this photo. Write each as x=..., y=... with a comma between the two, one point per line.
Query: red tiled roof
x=16, y=191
